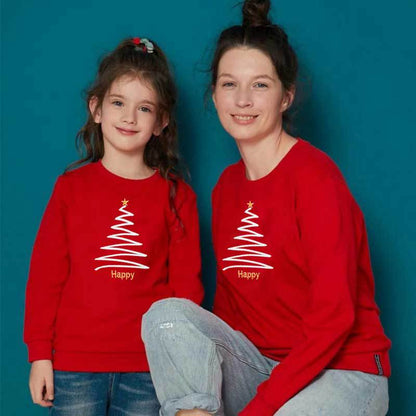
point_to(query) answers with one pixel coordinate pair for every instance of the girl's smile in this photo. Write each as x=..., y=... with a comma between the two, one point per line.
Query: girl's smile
x=126, y=132
x=129, y=116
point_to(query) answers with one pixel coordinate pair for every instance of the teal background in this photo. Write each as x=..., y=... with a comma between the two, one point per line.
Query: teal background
x=358, y=65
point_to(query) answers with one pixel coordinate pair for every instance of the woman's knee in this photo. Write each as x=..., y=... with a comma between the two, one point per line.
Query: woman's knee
x=163, y=313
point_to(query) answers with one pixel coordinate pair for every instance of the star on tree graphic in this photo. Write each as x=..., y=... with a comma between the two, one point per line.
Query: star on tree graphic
x=249, y=252
x=123, y=254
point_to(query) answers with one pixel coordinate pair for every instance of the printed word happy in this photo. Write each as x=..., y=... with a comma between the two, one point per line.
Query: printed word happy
x=248, y=275
x=122, y=275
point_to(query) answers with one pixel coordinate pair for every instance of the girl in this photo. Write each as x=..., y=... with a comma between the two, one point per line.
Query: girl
x=119, y=232
x=297, y=330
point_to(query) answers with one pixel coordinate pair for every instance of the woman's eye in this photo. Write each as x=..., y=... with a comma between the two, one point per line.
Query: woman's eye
x=117, y=103
x=228, y=84
x=260, y=85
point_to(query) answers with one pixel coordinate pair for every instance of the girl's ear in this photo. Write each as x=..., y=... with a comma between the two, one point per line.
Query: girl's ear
x=95, y=112
x=160, y=126
x=288, y=99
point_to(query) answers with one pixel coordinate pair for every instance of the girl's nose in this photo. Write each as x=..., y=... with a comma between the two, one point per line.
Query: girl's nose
x=129, y=116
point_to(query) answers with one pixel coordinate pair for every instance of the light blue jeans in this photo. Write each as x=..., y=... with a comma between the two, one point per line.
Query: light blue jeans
x=198, y=361
x=101, y=394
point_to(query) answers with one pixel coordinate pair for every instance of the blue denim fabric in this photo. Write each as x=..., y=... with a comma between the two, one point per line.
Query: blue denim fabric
x=104, y=394
x=198, y=361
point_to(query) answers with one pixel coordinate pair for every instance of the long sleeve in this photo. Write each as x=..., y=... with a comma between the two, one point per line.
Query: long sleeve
x=184, y=247
x=329, y=226
x=48, y=271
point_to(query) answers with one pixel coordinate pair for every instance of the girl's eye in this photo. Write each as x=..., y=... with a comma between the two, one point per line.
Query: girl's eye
x=145, y=109
x=117, y=103
x=260, y=85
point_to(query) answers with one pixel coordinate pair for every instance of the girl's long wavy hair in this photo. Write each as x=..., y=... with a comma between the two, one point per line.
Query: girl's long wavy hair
x=132, y=58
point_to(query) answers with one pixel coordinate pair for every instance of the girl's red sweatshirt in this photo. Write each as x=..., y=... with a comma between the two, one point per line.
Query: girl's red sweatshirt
x=107, y=247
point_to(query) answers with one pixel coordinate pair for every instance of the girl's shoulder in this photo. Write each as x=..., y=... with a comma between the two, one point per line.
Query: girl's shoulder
x=74, y=180
x=177, y=186
x=80, y=173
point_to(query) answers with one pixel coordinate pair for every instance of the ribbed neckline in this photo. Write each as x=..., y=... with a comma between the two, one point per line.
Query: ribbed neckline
x=281, y=165
x=121, y=180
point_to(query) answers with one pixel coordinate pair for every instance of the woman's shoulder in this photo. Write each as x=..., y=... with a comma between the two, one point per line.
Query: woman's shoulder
x=313, y=164
x=232, y=172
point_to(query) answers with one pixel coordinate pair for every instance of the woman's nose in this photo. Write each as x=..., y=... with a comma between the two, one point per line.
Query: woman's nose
x=244, y=98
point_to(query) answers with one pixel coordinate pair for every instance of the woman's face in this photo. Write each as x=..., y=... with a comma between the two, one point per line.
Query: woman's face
x=249, y=96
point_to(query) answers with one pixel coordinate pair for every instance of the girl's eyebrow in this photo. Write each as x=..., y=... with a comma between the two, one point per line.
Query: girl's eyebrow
x=122, y=96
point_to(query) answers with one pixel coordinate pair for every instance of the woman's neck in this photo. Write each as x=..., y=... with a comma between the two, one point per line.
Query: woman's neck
x=127, y=166
x=261, y=157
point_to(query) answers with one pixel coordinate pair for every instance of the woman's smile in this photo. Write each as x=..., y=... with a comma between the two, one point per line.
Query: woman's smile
x=248, y=95
x=244, y=119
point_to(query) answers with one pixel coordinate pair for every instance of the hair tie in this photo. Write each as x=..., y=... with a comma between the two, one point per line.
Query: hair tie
x=143, y=44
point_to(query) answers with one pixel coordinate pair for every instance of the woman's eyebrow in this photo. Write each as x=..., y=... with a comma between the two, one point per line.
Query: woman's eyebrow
x=254, y=77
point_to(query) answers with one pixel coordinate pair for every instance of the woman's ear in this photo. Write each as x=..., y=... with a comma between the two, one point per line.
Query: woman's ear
x=213, y=96
x=288, y=98
x=95, y=111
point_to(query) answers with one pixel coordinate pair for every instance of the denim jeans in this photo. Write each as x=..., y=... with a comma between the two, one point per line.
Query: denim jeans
x=198, y=361
x=101, y=394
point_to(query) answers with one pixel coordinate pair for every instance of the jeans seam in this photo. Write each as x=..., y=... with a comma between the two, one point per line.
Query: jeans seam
x=240, y=358
x=111, y=377
x=370, y=400
x=211, y=367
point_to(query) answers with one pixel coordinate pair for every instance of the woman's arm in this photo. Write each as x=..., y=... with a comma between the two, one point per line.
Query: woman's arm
x=329, y=225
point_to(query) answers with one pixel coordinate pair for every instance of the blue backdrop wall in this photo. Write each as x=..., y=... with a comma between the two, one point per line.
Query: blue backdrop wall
x=358, y=64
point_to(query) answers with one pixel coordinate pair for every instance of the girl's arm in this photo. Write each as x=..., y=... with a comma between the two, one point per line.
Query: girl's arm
x=48, y=272
x=329, y=227
x=184, y=248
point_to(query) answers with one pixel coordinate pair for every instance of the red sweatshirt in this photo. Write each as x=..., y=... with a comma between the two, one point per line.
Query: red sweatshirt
x=107, y=248
x=294, y=273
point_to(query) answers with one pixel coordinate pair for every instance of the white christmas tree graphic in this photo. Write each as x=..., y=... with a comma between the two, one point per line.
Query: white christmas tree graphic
x=249, y=251
x=123, y=250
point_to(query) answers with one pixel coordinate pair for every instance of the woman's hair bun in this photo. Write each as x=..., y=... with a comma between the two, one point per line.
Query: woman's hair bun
x=255, y=13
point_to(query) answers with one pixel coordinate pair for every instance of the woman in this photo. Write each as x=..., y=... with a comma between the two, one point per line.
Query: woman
x=297, y=330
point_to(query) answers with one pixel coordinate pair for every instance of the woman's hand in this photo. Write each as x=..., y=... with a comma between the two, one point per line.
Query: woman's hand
x=41, y=382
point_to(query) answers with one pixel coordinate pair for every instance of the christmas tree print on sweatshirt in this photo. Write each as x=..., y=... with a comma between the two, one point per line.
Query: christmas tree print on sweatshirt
x=249, y=252
x=122, y=255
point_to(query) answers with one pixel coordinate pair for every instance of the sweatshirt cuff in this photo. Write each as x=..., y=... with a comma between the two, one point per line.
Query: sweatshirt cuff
x=258, y=407
x=40, y=350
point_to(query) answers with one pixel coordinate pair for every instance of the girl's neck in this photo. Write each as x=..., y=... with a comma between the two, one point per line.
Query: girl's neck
x=261, y=157
x=127, y=166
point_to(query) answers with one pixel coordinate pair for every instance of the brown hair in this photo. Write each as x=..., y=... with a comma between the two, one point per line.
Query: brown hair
x=258, y=32
x=132, y=58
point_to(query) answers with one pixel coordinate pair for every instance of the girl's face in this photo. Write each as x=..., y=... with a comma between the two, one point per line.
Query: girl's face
x=128, y=116
x=249, y=96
